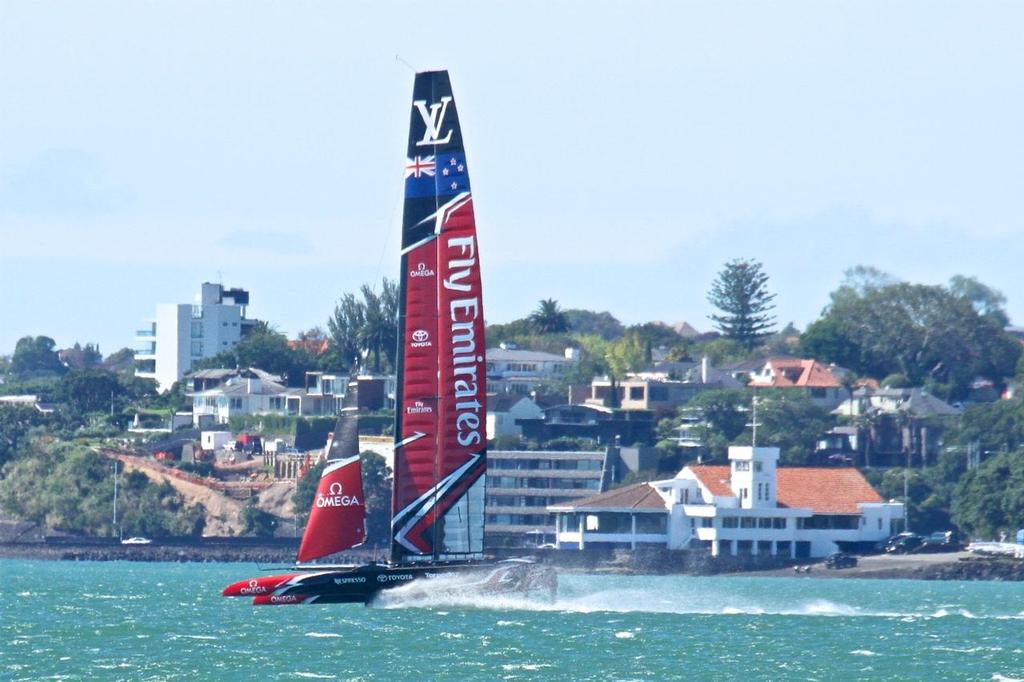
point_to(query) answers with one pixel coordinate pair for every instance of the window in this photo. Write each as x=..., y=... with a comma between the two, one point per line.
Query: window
x=759, y=485
x=730, y=522
x=742, y=466
x=707, y=522
x=636, y=392
x=748, y=522
x=757, y=466
x=197, y=329
x=818, y=393
x=779, y=523
x=879, y=523
x=764, y=522
x=197, y=349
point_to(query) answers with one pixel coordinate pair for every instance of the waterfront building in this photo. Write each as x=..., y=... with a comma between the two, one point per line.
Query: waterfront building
x=184, y=333
x=748, y=507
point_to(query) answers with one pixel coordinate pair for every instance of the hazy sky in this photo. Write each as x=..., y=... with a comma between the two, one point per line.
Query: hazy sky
x=620, y=152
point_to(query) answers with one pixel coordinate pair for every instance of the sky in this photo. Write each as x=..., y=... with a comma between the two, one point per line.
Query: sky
x=620, y=153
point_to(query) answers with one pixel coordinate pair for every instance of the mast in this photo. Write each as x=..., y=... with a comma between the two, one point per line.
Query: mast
x=440, y=440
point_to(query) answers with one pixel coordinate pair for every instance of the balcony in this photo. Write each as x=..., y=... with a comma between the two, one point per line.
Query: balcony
x=145, y=333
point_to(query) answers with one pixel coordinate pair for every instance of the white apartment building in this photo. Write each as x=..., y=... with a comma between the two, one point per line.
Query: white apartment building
x=182, y=333
x=749, y=507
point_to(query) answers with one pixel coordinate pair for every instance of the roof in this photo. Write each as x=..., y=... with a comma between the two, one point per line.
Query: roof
x=796, y=372
x=515, y=355
x=639, y=496
x=503, y=402
x=823, y=490
x=714, y=477
x=223, y=373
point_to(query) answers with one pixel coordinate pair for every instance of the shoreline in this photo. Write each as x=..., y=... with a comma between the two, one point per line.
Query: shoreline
x=944, y=566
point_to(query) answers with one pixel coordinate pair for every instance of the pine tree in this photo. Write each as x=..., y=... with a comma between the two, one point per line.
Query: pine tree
x=741, y=293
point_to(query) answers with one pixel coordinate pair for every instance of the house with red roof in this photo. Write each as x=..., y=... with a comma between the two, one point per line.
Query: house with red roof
x=819, y=382
x=748, y=507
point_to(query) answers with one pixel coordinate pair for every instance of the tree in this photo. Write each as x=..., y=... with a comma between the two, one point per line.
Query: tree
x=15, y=423
x=741, y=293
x=267, y=350
x=121, y=361
x=377, y=489
x=601, y=324
x=34, y=355
x=990, y=497
x=985, y=300
x=92, y=390
x=790, y=422
x=548, y=318
x=69, y=487
x=78, y=357
x=928, y=334
x=379, y=333
x=258, y=522
x=724, y=415
x=367, y=326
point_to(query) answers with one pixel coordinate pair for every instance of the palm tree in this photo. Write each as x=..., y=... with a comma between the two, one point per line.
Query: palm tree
x=548, y=318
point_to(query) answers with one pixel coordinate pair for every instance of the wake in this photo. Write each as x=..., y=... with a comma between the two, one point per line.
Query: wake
x=443, y=593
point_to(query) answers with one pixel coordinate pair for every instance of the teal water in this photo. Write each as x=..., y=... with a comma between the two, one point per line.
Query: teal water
x=127, y=621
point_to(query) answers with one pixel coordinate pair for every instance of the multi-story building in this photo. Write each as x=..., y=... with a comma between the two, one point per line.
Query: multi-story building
x=522, y=484
x=520, y=372
x=183, y=333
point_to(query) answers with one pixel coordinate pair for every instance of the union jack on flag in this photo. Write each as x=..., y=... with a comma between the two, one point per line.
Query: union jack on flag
x=419, y=166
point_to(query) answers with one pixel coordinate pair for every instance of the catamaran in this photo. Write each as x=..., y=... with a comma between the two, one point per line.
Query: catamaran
x=437, y=515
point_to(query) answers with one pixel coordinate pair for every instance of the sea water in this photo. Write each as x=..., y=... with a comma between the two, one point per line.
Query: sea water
x=135, y=621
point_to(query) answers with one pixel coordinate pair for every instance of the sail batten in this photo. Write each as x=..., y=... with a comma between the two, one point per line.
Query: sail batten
x=439, y=475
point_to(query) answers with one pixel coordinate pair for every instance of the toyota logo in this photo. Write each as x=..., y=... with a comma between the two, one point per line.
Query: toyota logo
x=420, y=335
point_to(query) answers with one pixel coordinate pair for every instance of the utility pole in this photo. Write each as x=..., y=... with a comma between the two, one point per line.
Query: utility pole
x=114, y=524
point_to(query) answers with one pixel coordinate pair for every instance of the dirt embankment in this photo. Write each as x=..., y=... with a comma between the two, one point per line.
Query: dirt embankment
x=223, y=512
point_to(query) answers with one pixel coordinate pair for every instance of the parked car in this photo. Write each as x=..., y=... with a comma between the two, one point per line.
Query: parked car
x=840, y=560
x=904, y=543
x=136, y=541
x=940, y=541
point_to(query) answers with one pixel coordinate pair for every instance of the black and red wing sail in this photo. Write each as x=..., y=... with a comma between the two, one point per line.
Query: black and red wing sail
x=440, y=453
x=337, y=519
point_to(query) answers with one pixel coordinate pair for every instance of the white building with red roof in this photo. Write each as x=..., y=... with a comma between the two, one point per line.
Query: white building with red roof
x=748, y=507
